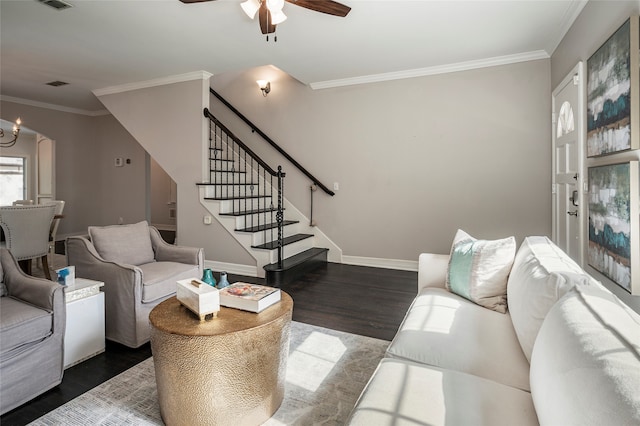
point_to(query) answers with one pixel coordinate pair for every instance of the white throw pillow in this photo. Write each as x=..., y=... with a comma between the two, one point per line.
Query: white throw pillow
x=585, y=367
x=128, y=244
x=478, y=270
x=542, y=273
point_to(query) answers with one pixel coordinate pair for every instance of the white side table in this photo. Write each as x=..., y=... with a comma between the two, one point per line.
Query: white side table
x=84, y=333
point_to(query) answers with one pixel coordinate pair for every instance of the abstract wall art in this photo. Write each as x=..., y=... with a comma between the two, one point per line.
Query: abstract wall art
x=614, y=248
x=611, y=92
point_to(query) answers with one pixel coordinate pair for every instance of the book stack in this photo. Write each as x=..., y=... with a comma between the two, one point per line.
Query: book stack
x=249, y=297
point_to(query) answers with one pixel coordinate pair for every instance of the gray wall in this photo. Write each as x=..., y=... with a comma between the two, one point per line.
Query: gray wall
x=178, y=143
x=95, y=191
x=596, y=23
x=163, y=197
x=415, y=158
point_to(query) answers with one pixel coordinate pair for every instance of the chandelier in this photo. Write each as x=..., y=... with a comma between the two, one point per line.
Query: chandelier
x=16, y=132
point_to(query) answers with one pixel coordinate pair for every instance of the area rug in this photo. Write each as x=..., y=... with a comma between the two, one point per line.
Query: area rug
x=326, y=371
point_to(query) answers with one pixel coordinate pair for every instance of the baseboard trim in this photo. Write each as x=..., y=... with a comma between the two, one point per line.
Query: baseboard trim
x=232, y=268
x=164, y=227
x=375, y=262
x=63, y=237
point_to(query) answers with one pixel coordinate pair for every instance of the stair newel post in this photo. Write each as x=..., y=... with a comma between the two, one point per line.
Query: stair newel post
x=212, y=164
x=280, y=214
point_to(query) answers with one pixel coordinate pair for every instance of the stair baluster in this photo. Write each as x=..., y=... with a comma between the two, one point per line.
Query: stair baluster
x=227, y=171
x=233, y=163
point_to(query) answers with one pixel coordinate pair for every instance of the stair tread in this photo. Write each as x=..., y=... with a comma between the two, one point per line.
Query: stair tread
x=229, y=171
x=266, y=226
x=222, y=159
x=296, y=260
x=239, y=197
x=222, y=184
x=285, y=241
x=248, y=212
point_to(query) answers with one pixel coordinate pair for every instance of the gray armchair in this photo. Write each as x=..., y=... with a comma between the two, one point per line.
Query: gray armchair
x=139, y=270
x=32, y=325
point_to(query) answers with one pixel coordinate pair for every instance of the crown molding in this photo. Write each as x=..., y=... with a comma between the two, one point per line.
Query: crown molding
x=54, y=106
x=440, y=69
x=196, y=75
x=574, y=9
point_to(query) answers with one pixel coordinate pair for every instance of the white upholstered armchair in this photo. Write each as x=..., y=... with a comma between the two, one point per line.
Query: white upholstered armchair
x=139, y=270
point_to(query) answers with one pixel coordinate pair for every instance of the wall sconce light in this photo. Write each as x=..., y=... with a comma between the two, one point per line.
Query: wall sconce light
x=16, y=132
x=265, y=86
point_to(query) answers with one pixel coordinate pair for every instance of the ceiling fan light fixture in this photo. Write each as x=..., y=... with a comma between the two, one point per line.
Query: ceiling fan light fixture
x=278, y=17
x=250, y=7
x=275, y=6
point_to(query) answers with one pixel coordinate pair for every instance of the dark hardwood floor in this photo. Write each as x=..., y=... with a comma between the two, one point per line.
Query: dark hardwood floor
x=355, y=299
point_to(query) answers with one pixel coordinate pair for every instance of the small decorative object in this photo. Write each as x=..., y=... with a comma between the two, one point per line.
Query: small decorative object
x=199, y=298
x=223, y=280
x=67, y=275
x=208, y=278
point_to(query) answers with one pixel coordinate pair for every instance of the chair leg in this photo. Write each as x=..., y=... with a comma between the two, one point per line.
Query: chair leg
x=45, y=267
x=25, y=265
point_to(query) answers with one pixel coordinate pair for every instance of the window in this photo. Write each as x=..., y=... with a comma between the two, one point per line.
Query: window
x=565, y=120
x=13, y=180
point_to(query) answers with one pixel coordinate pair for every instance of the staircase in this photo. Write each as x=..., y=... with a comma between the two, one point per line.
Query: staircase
x=246, y=196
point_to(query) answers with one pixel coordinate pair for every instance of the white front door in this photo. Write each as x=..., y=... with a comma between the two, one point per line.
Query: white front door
x=567, y=168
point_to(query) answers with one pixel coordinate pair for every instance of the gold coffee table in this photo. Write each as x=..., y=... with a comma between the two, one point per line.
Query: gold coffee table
x=229, y=370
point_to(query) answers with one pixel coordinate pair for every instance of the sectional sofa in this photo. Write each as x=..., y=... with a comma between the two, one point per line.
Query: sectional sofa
x=565, y=352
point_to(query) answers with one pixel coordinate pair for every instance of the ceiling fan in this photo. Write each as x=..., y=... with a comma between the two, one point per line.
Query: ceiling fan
x=270, y=11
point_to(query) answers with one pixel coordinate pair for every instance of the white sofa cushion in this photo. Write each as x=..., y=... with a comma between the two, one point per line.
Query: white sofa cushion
x=127, y=244
x=432, y=270
x=542, y=273
x=405, y=393
x=585, y=368
x=478, y=270
x=448, y=331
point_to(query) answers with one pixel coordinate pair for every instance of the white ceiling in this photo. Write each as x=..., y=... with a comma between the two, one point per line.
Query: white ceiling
x=98, y=44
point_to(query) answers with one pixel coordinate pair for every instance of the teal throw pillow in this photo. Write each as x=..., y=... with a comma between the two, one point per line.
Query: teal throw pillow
x=479, y=269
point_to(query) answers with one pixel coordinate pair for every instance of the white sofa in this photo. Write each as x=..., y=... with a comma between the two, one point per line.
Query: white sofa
x=566, y=352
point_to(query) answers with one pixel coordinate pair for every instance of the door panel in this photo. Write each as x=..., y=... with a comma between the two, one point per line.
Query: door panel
x=45, y=182
x=567, y=165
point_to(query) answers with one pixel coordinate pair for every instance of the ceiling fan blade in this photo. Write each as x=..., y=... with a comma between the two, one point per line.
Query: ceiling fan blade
x=265, y=19
x=194, y=1
x=325, y=6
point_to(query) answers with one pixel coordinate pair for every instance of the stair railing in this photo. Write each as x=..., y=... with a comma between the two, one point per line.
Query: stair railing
x=270, y=141
x=235, y=174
